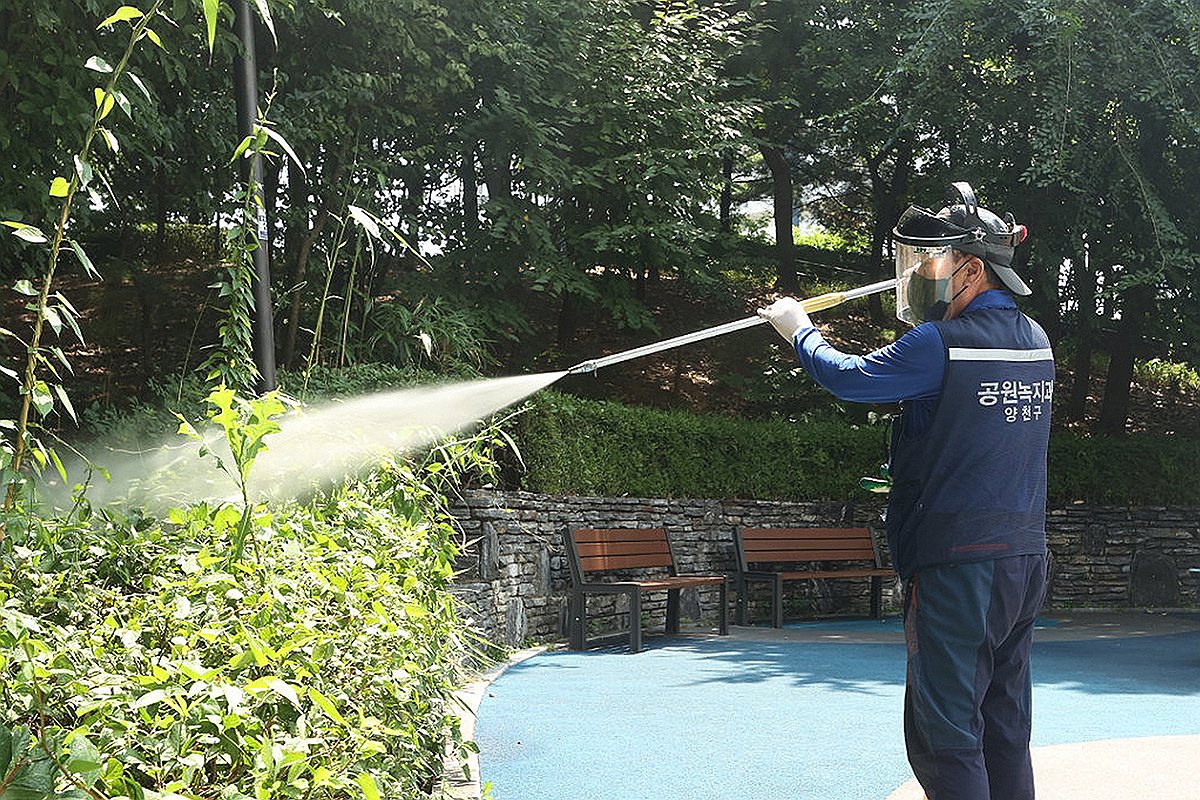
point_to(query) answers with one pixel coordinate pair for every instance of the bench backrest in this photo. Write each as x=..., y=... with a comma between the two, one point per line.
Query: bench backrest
x=787, y=545
x=602, y=550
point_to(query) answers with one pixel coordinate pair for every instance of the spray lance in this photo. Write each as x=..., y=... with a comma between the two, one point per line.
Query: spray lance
x=810, y=305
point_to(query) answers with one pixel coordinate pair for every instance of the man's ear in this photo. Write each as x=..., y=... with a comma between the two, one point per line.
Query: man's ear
x=976, y=269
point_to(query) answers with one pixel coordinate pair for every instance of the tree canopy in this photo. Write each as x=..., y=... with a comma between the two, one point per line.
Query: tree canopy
x=572, y=153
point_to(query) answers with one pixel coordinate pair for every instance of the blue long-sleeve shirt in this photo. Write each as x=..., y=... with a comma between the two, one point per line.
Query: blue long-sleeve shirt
x=909, y=369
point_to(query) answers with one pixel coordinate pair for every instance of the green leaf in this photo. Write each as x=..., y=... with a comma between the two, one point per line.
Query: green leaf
x=59, y=187
x=12, y=373
x=152, y=36
x=187, y=429
x=6, y=748
x=241, y=148
x=122, y=14
x=84, y=758
x=123, y=103
x=62, y=358
x=40, y=396
x=66, y=401
x=26, y=232
x=367, y=222
x=210, y=21
x=287, y=148
x=26, y=288
x=368, y=785
x=84, y=170
x=104, y=102
x=58, y=464
x=110, y=140
x=86, y=262
x=35, y=780
x=141, y=86
x=326, y=705
x=50, y=314
x=98, y=64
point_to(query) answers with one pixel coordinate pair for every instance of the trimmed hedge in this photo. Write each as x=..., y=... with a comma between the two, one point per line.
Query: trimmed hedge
x=575, y=446
x=1141, y=469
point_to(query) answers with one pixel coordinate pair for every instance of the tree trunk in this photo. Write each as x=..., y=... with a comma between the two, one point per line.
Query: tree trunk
x=785, y=244
x=497, y=170
x=160, y=207
x=335, y=166
x=567, y=318
x=1114, y=412
x=726, y=212
x=886, y=197
x=271, y=175
x=470, y=190
x=1081, y=364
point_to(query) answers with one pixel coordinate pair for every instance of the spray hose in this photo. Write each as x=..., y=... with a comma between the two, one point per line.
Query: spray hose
x=811, y=304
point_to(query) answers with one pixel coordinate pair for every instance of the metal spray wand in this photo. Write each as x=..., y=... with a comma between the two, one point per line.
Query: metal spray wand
x=811, y=304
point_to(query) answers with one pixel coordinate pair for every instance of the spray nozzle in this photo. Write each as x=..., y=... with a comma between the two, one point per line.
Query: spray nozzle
x=584, y=366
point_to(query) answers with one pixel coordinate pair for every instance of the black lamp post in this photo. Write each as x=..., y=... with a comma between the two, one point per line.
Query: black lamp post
x=246, y=81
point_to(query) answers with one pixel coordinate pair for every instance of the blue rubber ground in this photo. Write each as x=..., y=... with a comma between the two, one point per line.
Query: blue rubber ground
x=731, y=719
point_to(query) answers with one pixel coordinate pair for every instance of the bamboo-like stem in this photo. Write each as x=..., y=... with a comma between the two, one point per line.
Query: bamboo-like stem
x=21, y=446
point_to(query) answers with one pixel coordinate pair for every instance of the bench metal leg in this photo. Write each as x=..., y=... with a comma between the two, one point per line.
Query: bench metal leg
x=672, y=611
x=876, y=597
x=743, y=603
x=777, y=602
x=723, y=609
x=578, y=621
x=635, y=620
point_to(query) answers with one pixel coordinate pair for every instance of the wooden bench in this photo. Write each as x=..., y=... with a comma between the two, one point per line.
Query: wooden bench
x=593, y=551
x=764, y=554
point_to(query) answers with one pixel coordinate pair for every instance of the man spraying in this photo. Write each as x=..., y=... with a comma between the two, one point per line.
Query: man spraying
x=966, y=513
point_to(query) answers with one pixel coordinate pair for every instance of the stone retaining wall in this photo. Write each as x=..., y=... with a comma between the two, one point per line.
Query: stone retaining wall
x=514, y=578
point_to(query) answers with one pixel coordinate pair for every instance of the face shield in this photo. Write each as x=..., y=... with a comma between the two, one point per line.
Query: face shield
x=926, y=261
x=924, y=276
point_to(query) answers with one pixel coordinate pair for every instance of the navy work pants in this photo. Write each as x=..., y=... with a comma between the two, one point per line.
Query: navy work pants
x=967, y=700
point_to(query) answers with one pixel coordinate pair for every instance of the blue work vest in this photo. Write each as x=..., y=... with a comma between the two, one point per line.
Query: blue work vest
x=972, y=485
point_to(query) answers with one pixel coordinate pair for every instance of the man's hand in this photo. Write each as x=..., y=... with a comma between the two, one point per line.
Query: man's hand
x=787, y=316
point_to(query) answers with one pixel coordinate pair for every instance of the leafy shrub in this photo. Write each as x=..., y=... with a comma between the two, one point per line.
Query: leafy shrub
x=1165, y=374
x=180, y=241
x=143, y=658
x=430, y=333
x=574, y=446
x=1142, y=469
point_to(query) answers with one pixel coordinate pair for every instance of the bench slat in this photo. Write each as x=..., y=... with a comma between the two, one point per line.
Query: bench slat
x=815, y=544
x=598, y=563
x=776, y=556
x=836, y=573
x=596, y=536
x=622, y=548
x=752, y=534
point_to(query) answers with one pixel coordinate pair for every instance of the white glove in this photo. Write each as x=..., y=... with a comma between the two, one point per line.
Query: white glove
x=787, y=316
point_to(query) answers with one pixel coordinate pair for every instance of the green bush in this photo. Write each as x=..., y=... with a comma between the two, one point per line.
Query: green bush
x=1142, y=469
x=574, y=446
x=153, y=658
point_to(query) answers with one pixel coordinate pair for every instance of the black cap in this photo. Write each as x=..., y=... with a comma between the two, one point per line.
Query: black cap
x=967, y=227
